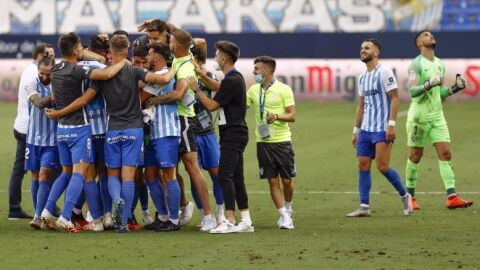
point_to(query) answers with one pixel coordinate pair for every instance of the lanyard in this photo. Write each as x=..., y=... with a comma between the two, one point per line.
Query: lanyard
x=262, y=101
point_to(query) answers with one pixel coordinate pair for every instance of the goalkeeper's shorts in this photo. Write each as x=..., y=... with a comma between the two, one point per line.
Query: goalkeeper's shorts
x=419, y=134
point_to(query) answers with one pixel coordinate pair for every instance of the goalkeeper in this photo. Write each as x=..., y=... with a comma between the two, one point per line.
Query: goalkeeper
x=425, y=122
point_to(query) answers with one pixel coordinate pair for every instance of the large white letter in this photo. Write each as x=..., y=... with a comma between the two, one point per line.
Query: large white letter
x=307, y=13
x=236, y=10
x=127, y=14
x=45, y=9
x=98, y=17
x=373, y=13
x=195, y=13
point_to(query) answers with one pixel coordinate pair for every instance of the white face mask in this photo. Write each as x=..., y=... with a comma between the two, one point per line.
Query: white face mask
x=259, y=78
x=216, y=66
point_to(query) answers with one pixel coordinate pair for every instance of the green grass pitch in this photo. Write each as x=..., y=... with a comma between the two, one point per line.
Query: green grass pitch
x=433, y=238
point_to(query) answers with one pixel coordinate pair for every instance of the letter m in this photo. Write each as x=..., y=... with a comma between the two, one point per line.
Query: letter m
x=323, y=76
x=43, y=10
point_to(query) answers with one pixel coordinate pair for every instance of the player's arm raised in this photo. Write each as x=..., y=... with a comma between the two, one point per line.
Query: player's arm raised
x=358, y=120
x=107, y=73
x=74, y=106
x=160, y=78
x=460, y=84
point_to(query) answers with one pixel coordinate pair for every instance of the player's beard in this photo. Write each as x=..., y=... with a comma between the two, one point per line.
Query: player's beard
x=45, y=82
x=431, y=45
x=367, y=59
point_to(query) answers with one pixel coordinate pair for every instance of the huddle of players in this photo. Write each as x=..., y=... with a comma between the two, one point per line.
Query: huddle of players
x=90, y=118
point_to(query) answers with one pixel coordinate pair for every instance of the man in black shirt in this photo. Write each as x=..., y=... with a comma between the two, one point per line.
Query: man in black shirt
x=230, y=100
x=74, y=133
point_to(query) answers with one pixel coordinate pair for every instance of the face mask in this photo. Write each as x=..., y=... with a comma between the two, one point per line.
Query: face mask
x=216, y=66
x=259, y=78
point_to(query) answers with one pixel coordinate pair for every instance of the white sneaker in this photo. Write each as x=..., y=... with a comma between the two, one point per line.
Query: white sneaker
x=208, y=224
x=363, y=211
x=407, y=204
x=147, y=219
x=48, y=220
x=187, y=213
x=36, y=223
x=220, y=217
x=286, y=222
x=224, y=227
x=95, y=225
x=67, y=225
x=107, y=221
x=243, y=227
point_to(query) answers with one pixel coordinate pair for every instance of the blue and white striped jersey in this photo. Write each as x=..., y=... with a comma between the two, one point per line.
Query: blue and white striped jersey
x=374, y=86
x=166, y=121
x=42, y=131
x=96, y=108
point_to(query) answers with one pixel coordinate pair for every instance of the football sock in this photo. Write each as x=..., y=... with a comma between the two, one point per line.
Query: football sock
x=411, y=177
x=245, y=214
x=143, y=196
x=446, y=171
x=128, y=190
x=42, y=196
x=158, y=197
x=364, y=185
x=173, y=198
x=75, y=187
x=81, y=201
x=92, y=196
x=394, y=178
x=105, y=194
x=56, y=191
x=114, y=188
x=196, y=199
x=135, y=199
x=34, y=185
x=217, y=189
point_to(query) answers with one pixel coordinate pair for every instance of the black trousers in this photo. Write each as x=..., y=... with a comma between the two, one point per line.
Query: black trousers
x=230, y=178
x=18, y=171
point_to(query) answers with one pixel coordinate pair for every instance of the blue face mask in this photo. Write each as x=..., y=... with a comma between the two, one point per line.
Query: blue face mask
x=259, y=78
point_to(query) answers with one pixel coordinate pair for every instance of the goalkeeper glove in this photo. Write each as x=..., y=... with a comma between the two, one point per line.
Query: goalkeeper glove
x=460, y=84
x=436, y=80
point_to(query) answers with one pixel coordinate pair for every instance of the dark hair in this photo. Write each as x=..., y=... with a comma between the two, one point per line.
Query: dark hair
x=98, y=43
x=40, y=49
x=375, y=42
x=141, y=50
x=418, y=35
x=46, y=61
x=267, y=60
x=156, y=25
x=183, y=38
x=67, y=43
x=119, y=43
x=228, y=48
x=200, y=53
x=120, y=32
x=163, y=50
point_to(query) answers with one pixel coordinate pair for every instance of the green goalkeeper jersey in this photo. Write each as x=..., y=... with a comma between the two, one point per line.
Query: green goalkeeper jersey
x=428, y=106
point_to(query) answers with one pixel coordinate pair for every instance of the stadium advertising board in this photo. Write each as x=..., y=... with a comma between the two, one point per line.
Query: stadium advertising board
x=221, y=16
x=319, y=80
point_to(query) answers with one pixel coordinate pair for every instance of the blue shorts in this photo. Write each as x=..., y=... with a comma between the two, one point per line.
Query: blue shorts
x=99, y=145
x=123, y=147
x=75, y=145
x=208, y=151
x=165, y=151
x=40, y=156
x=149, y=156
x=366, y=142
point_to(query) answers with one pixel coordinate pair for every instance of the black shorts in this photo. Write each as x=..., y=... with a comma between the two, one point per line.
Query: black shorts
x=188, y=125
x=276, y=159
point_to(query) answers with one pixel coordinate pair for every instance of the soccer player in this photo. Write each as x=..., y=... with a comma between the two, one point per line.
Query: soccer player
x=74, y=131
x=180, y=42
x=207, y=143
x=124, y=136
x=274, y=107
x=374, y=129
x=20, y=128
x=231, y=102
x=41, y=153
x=161, y=154
x=426, y=122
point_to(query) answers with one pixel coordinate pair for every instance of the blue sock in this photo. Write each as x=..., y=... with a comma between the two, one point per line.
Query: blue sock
x=34, y=190
x=93, y=201
x=364, y=185
x=158, y=197
x=217, y=189
x=58, y=188
x=74, y=189
x=128, y=190
x=114, y=187
x=81, y=200
x=99, y=198
x=42, y=196
x=135, y=199
x=396, y=181
x=195, y=196
x=173, y=198
x=143, y=196
x=105, y=194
